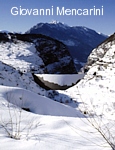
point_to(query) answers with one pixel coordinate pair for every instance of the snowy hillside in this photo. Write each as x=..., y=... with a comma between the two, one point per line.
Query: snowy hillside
x=36, y=52
x=30, y=117
x=16, y=62
x=97, y=89
x=22, y=55
x=79, y=40
x=59, y=126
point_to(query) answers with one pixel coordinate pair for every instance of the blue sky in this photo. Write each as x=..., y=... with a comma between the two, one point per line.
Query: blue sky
x=104, y=24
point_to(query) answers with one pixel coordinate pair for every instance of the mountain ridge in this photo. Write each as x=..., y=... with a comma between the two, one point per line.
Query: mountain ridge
x=79, y=40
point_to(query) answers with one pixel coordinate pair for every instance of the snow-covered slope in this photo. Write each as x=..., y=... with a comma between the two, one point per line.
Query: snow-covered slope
x=17, y=61
x=79, y=40
x=21, y=56
x=49, y=131
x=50, y=125
x=37, y=53
x=97, y=90
x=24, y=55
x=9, y=76
x=36, y=103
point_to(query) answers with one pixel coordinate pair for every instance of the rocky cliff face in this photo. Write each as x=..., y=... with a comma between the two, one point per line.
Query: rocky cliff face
x=55, y=56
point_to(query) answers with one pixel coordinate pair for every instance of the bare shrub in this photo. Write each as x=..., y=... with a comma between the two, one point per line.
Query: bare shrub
x=13, y=124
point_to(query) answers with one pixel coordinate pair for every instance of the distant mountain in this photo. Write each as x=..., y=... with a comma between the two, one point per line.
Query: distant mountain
x=79, y=40
x=4, y=31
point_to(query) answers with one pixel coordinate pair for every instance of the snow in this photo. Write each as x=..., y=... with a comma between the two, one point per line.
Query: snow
x=47, y=131
x=103, y=34
x=69, y=43
x=96, y=91
x=4, y=31
x=61, y=79
x=16, y=64
x=21, y=56
x=26, y=99
x=58, y=24
x=50, y=124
